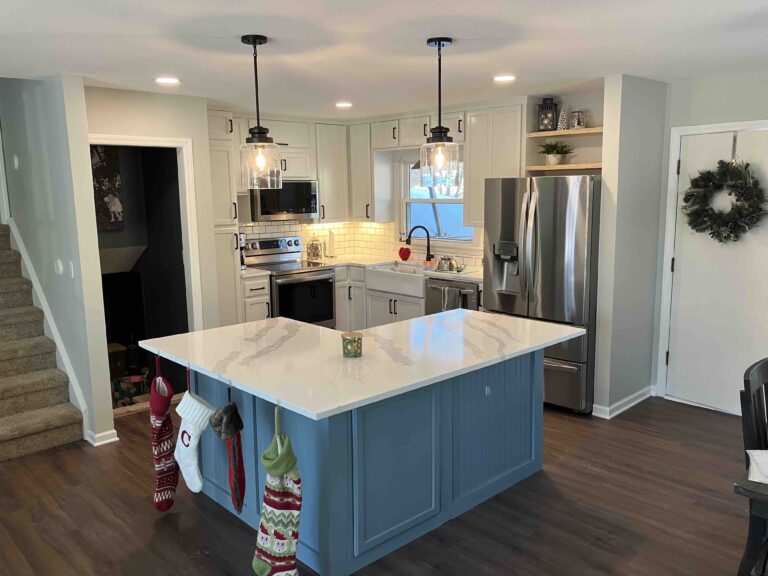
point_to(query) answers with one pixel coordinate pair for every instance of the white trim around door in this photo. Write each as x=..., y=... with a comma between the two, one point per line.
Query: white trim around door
x=188, y=206
x=665, y=309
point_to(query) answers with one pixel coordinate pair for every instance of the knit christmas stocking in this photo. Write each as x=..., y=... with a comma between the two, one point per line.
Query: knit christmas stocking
x=226, y=422
x=194, y=412
x=280, y=513
x=166, y=470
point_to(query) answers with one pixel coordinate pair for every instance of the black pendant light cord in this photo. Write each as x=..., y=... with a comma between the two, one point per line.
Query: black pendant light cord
x=256, y=82
x=439, y=83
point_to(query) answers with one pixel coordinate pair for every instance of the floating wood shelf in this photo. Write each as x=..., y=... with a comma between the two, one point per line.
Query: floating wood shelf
x=558, y=133
x=582, y=166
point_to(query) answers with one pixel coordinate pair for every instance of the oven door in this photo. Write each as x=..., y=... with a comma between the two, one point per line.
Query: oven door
x=306, y=297
x=296, y=200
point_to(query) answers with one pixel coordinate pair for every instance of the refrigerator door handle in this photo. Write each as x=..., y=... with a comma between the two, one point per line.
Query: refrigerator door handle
x=531, y=281
x=522, y=249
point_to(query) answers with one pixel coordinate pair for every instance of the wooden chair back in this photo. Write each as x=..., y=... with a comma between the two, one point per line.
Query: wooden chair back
x=754, y=407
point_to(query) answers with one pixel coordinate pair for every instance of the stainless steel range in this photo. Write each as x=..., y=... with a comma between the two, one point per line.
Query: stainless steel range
x=301, y=290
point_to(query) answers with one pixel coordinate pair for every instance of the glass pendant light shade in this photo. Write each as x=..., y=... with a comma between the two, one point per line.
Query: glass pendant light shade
x=260, y=166
x=439, y=163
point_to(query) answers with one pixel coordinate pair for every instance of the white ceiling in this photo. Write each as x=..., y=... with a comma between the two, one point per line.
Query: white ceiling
x=373, y=52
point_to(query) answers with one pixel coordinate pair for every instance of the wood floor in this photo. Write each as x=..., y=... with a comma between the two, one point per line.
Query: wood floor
x=648, y=493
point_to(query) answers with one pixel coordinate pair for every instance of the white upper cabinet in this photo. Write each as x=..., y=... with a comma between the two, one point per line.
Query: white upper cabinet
x=413, y=131
x=220, y=125
x=297, y=164
x=223, y=188
x=492, y=150
x=360, y=172
x=333, y=187
x=290, y=134
x=454, y=121
x=384, y=134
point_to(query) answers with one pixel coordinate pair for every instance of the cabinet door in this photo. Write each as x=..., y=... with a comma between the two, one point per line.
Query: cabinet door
x=297, y=164
x=333, y=186
x=407, y=308
x=220, y=125
x=384, y=134
x=240, y=134
x=357, y=307
x=256, y=309
x=478, y=164
x=414, y=131
x=223, y=184
x=360, y=171
x=290, y=134
x=378, y=309
x=507, y=135
x=455, y=124
x=343, y=294
x=227, y=275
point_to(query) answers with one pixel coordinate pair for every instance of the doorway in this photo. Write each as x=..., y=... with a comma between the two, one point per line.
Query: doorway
x=716, y=298
x=139, y=216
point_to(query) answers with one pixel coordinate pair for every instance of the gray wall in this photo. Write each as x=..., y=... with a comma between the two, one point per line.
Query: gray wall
x=50, y=188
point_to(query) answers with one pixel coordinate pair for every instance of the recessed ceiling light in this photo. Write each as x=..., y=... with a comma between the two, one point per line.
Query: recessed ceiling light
x=343, y=104
x=503, y=78
x=167, y=81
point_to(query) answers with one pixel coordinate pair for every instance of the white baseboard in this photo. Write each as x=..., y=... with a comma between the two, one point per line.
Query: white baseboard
x=622, y=405
x=101, y=438
x=62, y=358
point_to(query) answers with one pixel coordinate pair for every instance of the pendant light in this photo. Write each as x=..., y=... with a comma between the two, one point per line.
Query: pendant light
x=259, y=156
x=439, y=157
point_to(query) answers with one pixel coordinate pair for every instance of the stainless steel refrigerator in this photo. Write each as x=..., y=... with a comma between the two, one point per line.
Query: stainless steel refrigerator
x=540, y=261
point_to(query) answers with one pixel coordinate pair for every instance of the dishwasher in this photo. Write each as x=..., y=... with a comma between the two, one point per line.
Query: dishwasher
x=445, y=295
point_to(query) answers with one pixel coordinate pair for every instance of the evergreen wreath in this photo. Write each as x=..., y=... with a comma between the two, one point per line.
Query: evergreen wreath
x=746, y=210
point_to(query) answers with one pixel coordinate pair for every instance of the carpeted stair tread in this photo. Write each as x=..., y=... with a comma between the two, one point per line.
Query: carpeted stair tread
x=14, y=284
x=5, y=230
x=30, y=382
x=26, y=347
x=20, y=314
x=9, y=255
x=41, y=420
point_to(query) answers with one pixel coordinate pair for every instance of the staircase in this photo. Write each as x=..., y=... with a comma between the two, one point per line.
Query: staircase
x=35, y=413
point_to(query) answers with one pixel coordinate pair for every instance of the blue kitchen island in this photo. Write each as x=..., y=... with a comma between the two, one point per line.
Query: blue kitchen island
x=441, y=413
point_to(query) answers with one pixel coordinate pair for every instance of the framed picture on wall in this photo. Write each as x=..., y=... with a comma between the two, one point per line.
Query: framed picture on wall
x=107, y=188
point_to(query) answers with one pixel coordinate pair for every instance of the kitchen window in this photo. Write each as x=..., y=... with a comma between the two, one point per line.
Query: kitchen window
x=440, y=209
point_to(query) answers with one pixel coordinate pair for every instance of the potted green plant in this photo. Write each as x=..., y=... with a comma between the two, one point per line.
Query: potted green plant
x=555, y=152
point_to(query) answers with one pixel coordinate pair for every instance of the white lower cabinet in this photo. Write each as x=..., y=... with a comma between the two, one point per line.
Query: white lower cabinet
x=256, y=309
x=256, y=298
x=228, y=275
x=350, y=298
x=386, y=307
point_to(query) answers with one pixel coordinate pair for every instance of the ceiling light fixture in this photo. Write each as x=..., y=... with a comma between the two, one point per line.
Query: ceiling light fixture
x=167, y=81
x=259, y=156
x=503, y=78
x=439, y=157
x=343, y=104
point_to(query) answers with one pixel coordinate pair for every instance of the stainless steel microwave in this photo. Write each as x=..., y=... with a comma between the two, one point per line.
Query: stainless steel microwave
x=296, y=200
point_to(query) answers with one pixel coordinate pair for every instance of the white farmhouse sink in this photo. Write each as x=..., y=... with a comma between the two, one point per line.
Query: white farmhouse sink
x=397, y=277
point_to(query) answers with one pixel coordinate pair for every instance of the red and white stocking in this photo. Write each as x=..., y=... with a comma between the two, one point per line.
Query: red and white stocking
x=163, y=443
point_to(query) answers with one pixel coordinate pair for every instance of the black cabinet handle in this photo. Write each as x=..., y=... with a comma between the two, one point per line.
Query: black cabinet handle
x=460, y=122
x=237, y=241
x=257, y=289
x=349, y=292
x=390, y=306
x=269, y=310
x=425, y=129
x=367, y=208
x=395, y=307
x=234, y=205
x=231, y=126
x=394, y=132
x=322, y=211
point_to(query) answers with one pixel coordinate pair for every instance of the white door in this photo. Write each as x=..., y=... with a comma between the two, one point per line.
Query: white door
x=296, y=164
x=220, y=125
x=478, y=164
x=227, y=275
x=332, y=170
x=360, y=171
x=357, y=307
x=413, y=131
x=384, y=134
x=406, y=308
x=343, y=307
x=719, y=293
x=256, y=309
x=454, y=121
x=223, y=183
x=379, y=308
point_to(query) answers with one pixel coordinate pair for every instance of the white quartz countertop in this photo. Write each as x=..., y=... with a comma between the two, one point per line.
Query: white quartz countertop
x=301, y=367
